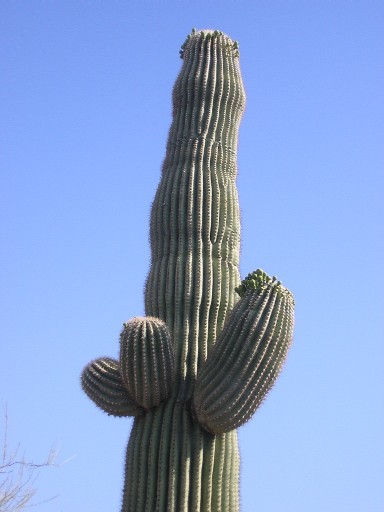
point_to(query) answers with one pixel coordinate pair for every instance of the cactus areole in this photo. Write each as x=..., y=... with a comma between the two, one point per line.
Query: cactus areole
x=210, y=348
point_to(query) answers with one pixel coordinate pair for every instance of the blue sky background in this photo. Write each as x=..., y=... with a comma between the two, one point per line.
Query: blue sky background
x=85, y=110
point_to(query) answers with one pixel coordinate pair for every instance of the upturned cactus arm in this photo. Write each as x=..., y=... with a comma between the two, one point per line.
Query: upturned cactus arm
x=102, y=382
x=247, y=357
x=147, y=360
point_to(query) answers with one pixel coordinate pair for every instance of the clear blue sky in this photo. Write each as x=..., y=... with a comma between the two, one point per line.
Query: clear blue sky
x=85, y=110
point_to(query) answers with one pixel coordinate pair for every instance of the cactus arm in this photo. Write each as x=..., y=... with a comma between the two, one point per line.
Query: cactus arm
x=102, y=382
x=146, y=360
x=247, y=357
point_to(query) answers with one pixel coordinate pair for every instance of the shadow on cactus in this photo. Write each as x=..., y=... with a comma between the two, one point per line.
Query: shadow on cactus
x=210, y=348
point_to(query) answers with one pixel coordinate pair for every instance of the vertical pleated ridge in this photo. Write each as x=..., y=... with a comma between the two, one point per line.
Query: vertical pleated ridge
x=173, y=465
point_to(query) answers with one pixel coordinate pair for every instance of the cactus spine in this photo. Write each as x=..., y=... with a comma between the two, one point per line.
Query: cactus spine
x=187, y=391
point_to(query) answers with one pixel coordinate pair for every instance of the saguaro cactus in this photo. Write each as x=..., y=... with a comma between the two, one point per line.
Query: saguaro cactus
x=201, y=361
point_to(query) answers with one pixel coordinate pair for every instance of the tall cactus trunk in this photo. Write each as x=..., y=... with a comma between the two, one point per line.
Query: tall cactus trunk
x=172, y=463
x=202, y=360
x=195, y=221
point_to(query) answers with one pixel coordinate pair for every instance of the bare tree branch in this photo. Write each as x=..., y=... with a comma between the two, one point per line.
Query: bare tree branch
x=18, y=476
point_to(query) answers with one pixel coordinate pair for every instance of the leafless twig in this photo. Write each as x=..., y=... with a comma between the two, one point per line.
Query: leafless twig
x=18, y=476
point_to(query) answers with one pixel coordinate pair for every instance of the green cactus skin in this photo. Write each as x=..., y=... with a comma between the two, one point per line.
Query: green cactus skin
x=247, y=357
x=102, y=382
x=147, y=361
x=183, y=452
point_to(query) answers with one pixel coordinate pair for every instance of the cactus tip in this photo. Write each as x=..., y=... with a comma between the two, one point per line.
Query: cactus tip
x=256, y=280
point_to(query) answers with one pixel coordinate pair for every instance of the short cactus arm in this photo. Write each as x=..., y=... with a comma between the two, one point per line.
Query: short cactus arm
x=147, y=360
x=247, y=357
x=102, y=382
x=143, y=376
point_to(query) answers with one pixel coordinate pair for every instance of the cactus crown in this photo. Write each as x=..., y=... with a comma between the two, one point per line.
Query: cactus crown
x=232, y=47
x=259, y=280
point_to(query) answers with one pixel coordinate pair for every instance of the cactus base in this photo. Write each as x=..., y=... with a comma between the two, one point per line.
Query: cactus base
x=173, y=464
